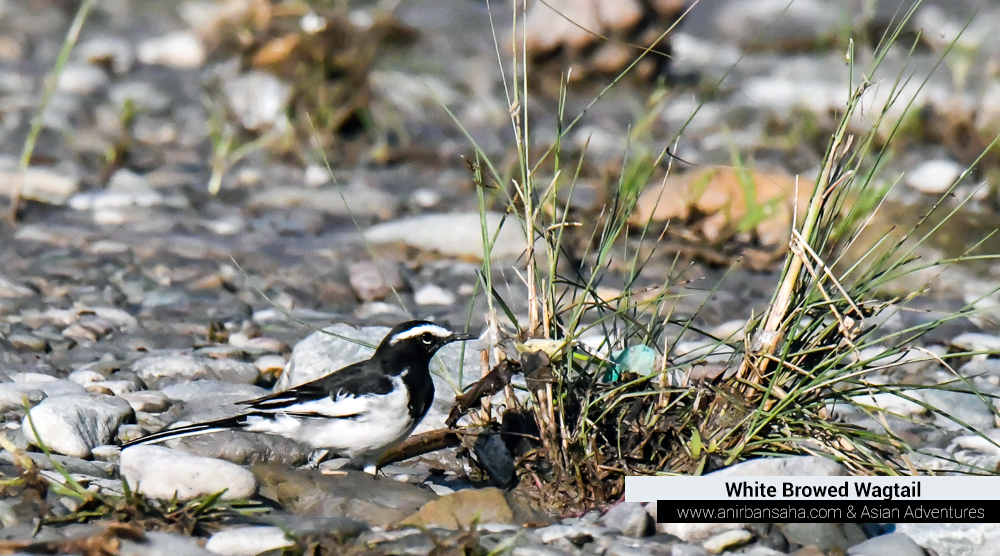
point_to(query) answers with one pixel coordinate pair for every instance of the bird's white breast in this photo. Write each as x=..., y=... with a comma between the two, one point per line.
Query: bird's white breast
x=379, y=422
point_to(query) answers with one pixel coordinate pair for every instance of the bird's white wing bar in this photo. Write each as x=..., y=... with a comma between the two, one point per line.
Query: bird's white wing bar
x=439, y=331
x=342, y=405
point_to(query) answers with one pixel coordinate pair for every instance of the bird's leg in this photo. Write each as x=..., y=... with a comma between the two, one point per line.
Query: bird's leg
x=371, y=467
x=317, y=458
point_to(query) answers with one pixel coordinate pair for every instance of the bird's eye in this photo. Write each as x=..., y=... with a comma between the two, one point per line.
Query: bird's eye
x=426, y=338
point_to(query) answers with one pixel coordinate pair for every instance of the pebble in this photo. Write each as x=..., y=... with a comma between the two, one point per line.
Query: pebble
x=630, y=518
x=934, y=176
x=248, y=541
x=72, y=424
x=270, y=364
x=150, y=401
x=155, y=543
x=798, y=466
x=11, y=393
x=432, y=294
x=897, y=544
x=953, y=539
x=181, y=49
x=161, y=472
x=967, y=408
x=258, y=99
x=727, y=539
x=455, y=234
x=45, y=185
x=189, y=391
x=81, y=79
x=347, y=201
x=374, y=280
x=145, y=96
x=164, y=369
x=977, y=342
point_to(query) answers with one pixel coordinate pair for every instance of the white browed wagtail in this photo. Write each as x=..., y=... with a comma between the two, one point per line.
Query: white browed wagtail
x=359, y=412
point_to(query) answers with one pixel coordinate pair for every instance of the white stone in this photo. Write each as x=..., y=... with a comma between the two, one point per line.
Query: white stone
x=258, y=99
x=799, y=466
x=432, y=294
x=977, y=341
x=453, y=234
x=31, y=377
x=12, y=394
x=160, y=472
x=149, y=401
x=247, y=541
x=72, y=424
x=181, y=49
x=81, y=79
x=316, y=175
x=40, y=184
x=84, y=377
x=934, y=176
x=734, y=537
x=894, y=403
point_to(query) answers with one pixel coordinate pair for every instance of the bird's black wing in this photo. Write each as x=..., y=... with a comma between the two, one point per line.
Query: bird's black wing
x=341, y=394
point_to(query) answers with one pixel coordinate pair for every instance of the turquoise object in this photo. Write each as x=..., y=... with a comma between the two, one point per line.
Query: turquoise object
x=635, y=359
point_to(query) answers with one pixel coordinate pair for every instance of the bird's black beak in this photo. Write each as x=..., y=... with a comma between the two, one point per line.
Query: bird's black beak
x=460, y=338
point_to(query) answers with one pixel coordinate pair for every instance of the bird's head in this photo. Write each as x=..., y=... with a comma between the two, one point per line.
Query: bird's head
x=415, y=342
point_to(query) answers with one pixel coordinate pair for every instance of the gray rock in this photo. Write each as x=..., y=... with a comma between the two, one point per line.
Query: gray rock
x=967, y=408
x=977, y=367
x=453, y=234
x=322, y=353
x=630, y=518
x=73, y=465
x=954, y=539
x=244, y=448
x=258, y=99
x=234, y=392
x=989, y=548
x=162, y=370
x=825, y=536
x=374, y=280
x=72, y=424
x=248, y=541
x=163, y=544
x=335, y=200
x=161, y=473
x=339, y=527
x=12, y=393
x=146, y=97
x=687, y=550
x=354, y=495
x=800, y=466
x=897, y=544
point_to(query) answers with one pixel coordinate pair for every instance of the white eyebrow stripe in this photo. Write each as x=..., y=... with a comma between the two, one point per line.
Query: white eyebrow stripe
x=434, y=329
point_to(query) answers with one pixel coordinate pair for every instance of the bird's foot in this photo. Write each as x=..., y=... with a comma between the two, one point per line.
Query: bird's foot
x=371, y=468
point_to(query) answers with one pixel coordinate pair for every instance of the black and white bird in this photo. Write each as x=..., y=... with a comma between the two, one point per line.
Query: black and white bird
x=359, y=412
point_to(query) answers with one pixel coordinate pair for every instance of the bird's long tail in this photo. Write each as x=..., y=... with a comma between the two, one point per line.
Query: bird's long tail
x=229, y=423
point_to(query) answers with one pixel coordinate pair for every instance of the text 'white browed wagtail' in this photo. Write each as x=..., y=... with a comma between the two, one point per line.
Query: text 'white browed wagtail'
x=359, y=412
